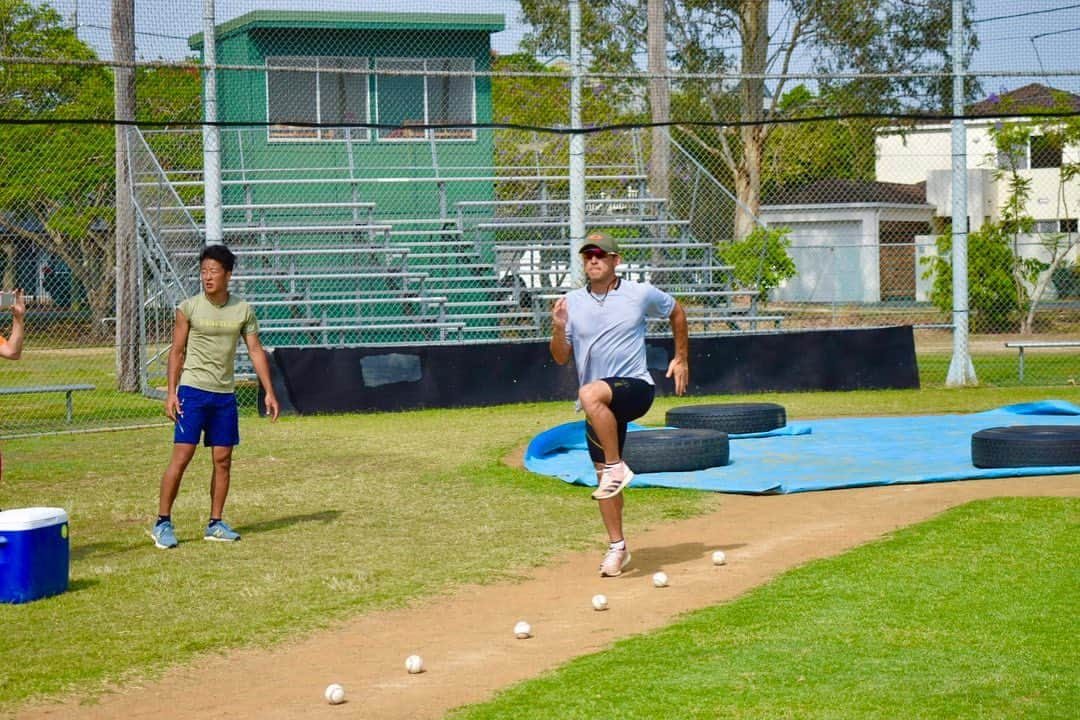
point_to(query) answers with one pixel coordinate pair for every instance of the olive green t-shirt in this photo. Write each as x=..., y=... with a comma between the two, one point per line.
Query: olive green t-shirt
x=210, y=360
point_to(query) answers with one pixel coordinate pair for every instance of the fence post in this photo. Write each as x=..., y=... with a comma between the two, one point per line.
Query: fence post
x=577, y=150
x=961, y=371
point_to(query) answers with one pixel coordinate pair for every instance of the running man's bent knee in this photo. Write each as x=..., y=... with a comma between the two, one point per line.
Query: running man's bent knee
x=597, y=392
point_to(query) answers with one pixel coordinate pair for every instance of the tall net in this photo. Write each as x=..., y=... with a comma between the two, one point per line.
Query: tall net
x=399, y=176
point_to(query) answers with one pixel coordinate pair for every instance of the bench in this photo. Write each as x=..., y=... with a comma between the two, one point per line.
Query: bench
x=66, y=389
x=1020, y=345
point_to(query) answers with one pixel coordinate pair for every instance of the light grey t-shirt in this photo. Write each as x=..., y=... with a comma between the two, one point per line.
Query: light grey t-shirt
x=608, y=338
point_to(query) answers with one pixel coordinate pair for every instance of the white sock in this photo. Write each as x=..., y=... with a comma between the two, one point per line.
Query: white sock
x=617, y=545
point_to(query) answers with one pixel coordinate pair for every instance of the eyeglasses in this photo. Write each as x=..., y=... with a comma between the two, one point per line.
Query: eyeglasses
x=595, y=253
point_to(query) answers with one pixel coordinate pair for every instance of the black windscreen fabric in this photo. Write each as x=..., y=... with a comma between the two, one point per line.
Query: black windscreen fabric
x=336, y=380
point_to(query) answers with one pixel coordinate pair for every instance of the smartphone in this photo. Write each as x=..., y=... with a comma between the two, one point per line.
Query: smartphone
x=7, y=299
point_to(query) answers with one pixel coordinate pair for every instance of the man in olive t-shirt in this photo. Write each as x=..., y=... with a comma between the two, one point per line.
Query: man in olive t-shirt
x=201, y=398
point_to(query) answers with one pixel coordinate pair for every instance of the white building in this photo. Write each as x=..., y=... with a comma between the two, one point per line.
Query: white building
x=923, y=153
x=852, y=240
x=840, y=237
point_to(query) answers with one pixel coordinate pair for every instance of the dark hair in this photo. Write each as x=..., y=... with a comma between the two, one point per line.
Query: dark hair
x=220, y=253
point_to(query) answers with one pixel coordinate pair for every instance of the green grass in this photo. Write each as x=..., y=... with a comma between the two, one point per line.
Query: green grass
x=969, y=615
x=1001, y=370
x=338, y=516
x=105, y=407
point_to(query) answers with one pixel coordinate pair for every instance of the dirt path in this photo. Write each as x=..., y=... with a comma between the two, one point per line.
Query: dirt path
x=466, y=640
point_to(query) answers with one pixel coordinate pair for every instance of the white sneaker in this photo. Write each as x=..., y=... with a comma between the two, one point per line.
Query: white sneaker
x=612, y=481
x=614, y=562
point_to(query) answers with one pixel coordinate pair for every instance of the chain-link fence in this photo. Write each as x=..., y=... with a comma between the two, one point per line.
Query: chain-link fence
x=401, y=176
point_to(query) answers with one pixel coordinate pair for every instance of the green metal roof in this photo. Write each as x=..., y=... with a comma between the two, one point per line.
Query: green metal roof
x=301, y=19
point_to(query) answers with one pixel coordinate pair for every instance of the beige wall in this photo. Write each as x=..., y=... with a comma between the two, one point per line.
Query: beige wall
x=911, y=157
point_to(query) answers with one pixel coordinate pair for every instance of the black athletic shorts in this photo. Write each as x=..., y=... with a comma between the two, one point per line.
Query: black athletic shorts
x=630, y=399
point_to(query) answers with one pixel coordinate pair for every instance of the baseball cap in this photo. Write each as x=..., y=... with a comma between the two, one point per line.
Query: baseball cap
x=600, y=240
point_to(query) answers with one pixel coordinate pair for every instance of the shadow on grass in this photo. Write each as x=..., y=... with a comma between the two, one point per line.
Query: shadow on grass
x=81, y=584
x=82, y=552
x=270, y=525
x=651, y=559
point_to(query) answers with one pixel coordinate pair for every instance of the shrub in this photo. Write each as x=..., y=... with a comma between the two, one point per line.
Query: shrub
x=761, y=259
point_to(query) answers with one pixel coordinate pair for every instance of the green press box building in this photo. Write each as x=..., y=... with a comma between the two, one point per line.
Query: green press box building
x=367, y=68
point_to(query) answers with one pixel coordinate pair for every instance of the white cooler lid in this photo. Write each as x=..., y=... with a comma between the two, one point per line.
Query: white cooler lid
x=31, y=518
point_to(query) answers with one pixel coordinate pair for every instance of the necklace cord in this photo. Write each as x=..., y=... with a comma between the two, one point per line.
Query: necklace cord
x=599, y=299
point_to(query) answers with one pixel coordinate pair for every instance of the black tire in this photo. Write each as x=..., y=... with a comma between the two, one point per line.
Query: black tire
x=1026, y=446
x=650, y=451
x=734, y=418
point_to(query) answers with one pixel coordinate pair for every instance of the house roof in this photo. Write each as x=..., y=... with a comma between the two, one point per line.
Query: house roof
x=842, y=191
x=1033, y=96
x=302, y=19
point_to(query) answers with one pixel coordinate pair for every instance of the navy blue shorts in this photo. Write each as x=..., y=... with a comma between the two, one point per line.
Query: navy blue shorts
x=208, y=414
x=630, y=399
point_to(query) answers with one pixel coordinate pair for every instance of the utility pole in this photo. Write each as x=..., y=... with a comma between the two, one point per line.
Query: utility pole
x=128, y=302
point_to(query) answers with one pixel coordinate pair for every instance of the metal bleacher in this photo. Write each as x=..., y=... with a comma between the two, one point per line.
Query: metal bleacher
x=489, y=273
x=345, y=274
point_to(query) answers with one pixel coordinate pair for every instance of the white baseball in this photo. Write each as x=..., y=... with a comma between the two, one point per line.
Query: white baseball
x=719, y=558
x=522, y=630
x=334, y=694
x=414, y=664
x=660, y=579
x=599, y=602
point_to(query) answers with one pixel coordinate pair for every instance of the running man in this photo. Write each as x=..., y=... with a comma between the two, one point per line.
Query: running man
x=603, y=326
x=201, y=398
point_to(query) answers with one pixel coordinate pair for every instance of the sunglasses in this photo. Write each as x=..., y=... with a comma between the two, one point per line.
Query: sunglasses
x=595, y=253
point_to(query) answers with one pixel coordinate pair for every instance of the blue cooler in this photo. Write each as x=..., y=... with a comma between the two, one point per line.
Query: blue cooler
x=34, y=555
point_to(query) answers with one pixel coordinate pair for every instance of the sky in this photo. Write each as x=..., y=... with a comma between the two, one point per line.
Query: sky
x=1035, y=37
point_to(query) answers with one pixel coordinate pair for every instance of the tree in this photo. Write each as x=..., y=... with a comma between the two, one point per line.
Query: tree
x=992, y=294
x=761, y=260
x=889, y=43
x=1031, y=276
x=799, y=153
x=59, y=172
x=30, y=31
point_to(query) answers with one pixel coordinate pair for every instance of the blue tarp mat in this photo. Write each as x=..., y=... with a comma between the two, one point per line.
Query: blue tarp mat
x=824, y=454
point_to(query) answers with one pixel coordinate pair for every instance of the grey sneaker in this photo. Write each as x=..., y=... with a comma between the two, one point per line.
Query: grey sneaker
x=218, y=531
x=612, y=481
x=164, y=535
x=614, y=562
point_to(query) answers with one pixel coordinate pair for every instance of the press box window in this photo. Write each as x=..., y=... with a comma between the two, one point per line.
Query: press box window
x=321, y=91
x=426, y=92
